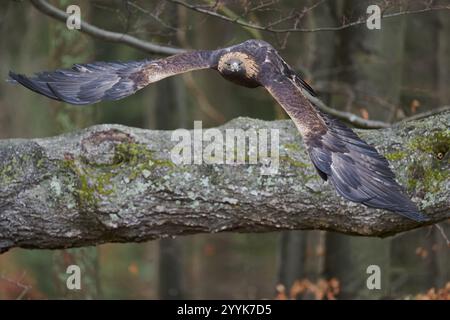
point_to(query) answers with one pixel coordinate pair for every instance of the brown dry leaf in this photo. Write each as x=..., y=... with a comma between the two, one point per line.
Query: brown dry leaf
x=335, y=286
x=321, y=289
x=304, y=289
x=209, y=250
x=281, y=292
x=298, y=287
x=436, y=294
x=133, y=268
x=414, y=105
x=320, y=250
x=364, y=113
x=422, y=252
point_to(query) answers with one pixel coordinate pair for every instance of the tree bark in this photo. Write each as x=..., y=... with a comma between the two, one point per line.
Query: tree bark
x=111, y=183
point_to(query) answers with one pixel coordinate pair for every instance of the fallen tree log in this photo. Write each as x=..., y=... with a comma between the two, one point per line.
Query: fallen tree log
x=111, y=183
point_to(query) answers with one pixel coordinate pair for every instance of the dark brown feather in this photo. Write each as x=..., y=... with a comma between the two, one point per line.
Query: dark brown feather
x=356, y=170
x=100, y=81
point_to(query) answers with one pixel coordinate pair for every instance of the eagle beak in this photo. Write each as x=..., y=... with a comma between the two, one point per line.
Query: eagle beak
x=235, y=66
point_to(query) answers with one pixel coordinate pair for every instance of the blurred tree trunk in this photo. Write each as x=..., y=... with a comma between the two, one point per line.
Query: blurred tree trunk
x=170, y=112
x=169, y=105
x=20, y=51
x=66, y=48
x=323, y=47
x=424, y=253
x=421, y=69
x=292, y=257
x=439, y=249
x=300, y=253
x=170, y=269
x=347, y=259
x=443, y=58
x=372, y=64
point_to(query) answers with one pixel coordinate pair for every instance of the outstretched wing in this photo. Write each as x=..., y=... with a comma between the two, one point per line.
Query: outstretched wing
x=99, y=81
x=357, y=171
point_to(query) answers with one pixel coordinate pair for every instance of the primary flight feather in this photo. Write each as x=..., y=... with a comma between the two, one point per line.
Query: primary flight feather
x=356, y=170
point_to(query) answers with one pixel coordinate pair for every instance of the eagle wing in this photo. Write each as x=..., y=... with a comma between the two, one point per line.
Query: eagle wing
x=356, y=170
x=99, y=81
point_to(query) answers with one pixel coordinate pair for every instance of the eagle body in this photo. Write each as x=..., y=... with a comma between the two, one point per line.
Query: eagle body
x=355, y=169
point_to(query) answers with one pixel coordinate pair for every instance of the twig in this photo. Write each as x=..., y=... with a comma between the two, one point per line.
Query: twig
x=49, y=10
x=426, y=114
x=346, y=116
x=153, y=16
x=247, y=24
x=25, y=288
x=441, y=230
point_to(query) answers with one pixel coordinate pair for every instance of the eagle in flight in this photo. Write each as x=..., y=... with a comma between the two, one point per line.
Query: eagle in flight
x=357, y=171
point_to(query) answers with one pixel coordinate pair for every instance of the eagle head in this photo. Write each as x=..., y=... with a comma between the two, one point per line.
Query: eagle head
x=237, y=65
x=234, y=65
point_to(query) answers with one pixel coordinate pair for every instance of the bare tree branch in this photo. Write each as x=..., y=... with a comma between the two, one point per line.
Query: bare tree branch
x=348, y=117
x=112, y=183
x=46, y=8
x=153, y=16
x=269, y=28
x=25, y=288
x=427, y=113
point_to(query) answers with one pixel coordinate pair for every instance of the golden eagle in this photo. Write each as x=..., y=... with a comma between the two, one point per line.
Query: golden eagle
x=357, y=171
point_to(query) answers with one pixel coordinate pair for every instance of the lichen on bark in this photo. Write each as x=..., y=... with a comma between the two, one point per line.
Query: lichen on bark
x=111, y=183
